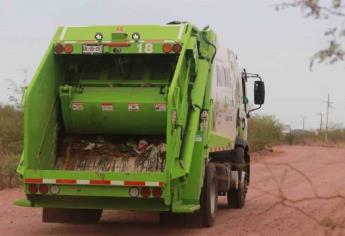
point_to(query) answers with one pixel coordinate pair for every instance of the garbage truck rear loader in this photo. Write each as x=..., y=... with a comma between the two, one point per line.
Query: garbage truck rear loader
x=137, y=117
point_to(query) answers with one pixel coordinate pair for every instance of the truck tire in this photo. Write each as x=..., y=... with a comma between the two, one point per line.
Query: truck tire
x=236, y=197
x=209, y=196
x=208, y=205
x=72, y=216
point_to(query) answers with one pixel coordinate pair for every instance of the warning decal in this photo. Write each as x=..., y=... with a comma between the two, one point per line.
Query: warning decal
x=77, y=106
x=107, y=106
x=133, y=107
x=161, y=107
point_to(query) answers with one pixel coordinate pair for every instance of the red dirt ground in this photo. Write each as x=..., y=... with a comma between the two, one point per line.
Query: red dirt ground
x=312, y=169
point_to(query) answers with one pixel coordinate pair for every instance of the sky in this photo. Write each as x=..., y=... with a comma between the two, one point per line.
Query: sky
x=276, y=45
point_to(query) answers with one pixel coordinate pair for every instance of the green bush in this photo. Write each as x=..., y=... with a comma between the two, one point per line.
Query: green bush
x=11, y=130
x=8, y=175
x=316, y=138
x=337, y=135
x=11, y=145
x=264, y=131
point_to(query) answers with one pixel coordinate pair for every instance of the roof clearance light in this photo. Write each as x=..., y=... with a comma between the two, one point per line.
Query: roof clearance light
x=136, y=36
x=145, y=192
x=166, y=47
x=68, y=48
x=32, y=188
x=99, y=37
x=58, y=48
x=177, y=48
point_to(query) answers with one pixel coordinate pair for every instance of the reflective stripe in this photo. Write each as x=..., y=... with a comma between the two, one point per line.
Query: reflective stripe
x=33, y=181
x=117, y=183
x=134, y=183
x=94, y=182
x=83, y=181
x=217, y=149
x=49, y=181
x=180, y=32
x=66, y=181
x=100, y=182
x=152, y=184
x=62, y=35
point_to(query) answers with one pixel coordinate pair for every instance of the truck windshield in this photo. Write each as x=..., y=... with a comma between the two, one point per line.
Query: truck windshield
x=118, y=67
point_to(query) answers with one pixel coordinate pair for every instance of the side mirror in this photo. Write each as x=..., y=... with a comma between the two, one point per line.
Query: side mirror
x=259, y=92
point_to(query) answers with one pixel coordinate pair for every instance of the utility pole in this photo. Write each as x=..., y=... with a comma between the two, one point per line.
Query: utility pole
x=303, y=121
x=328, y=102
x=321, y=115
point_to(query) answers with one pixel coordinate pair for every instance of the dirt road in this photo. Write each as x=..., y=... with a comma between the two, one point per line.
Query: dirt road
x=280, y=201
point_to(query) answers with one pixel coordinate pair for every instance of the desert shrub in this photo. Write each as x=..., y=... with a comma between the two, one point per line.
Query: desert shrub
x=11, y=145
x=9, y=177
x=264, y=131
x=316, y=138
x=337, y=135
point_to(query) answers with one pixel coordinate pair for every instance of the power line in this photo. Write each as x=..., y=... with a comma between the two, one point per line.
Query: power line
x=303, y=121
x=329, y=105
x=321, y=115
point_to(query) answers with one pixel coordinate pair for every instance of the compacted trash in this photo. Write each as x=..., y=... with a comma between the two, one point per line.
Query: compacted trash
x=109, y=154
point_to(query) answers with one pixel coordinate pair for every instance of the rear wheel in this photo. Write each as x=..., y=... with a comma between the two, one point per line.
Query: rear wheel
x=209, y=196
x=73, y=216
x=236, y=197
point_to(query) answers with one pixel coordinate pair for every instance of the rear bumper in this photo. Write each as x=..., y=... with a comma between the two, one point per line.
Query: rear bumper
x=89, y=202
x=101, y=190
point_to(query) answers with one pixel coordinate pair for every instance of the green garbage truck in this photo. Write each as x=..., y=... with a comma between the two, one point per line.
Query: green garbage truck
x=136, y=117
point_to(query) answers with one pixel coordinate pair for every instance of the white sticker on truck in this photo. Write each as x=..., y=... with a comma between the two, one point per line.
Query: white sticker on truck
x=107, y=106
x=133, y=107
x=160, y=107
x=77, y=106
x=198, y=138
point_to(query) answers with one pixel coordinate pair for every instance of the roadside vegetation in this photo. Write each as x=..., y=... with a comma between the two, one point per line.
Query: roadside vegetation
x=264, y=132
x=11, y=145
x=336, y=137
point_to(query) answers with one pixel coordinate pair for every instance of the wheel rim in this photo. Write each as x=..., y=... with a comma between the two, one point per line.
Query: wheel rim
x=213, y=198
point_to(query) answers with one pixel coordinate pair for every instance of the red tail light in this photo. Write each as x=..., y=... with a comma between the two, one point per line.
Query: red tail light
x=145, y=192
x=58, y=48
x=157, y=192
x=68, y=48
x=33, y=188
x=177, y=48
x=166, y=47
x=43, y=189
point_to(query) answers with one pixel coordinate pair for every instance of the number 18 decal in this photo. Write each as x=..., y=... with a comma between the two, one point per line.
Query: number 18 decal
x=146, y=47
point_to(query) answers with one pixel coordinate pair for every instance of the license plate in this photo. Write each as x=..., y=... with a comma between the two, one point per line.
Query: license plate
x=92, y=49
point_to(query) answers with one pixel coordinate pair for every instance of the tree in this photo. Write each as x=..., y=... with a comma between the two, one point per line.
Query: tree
x=324, y=10
x=16, y=91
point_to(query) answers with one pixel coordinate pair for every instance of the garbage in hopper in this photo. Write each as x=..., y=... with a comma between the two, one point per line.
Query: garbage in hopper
x=85, y=153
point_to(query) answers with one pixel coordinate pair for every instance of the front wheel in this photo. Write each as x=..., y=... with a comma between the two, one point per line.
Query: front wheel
x=237, y=197
x=209, y=196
